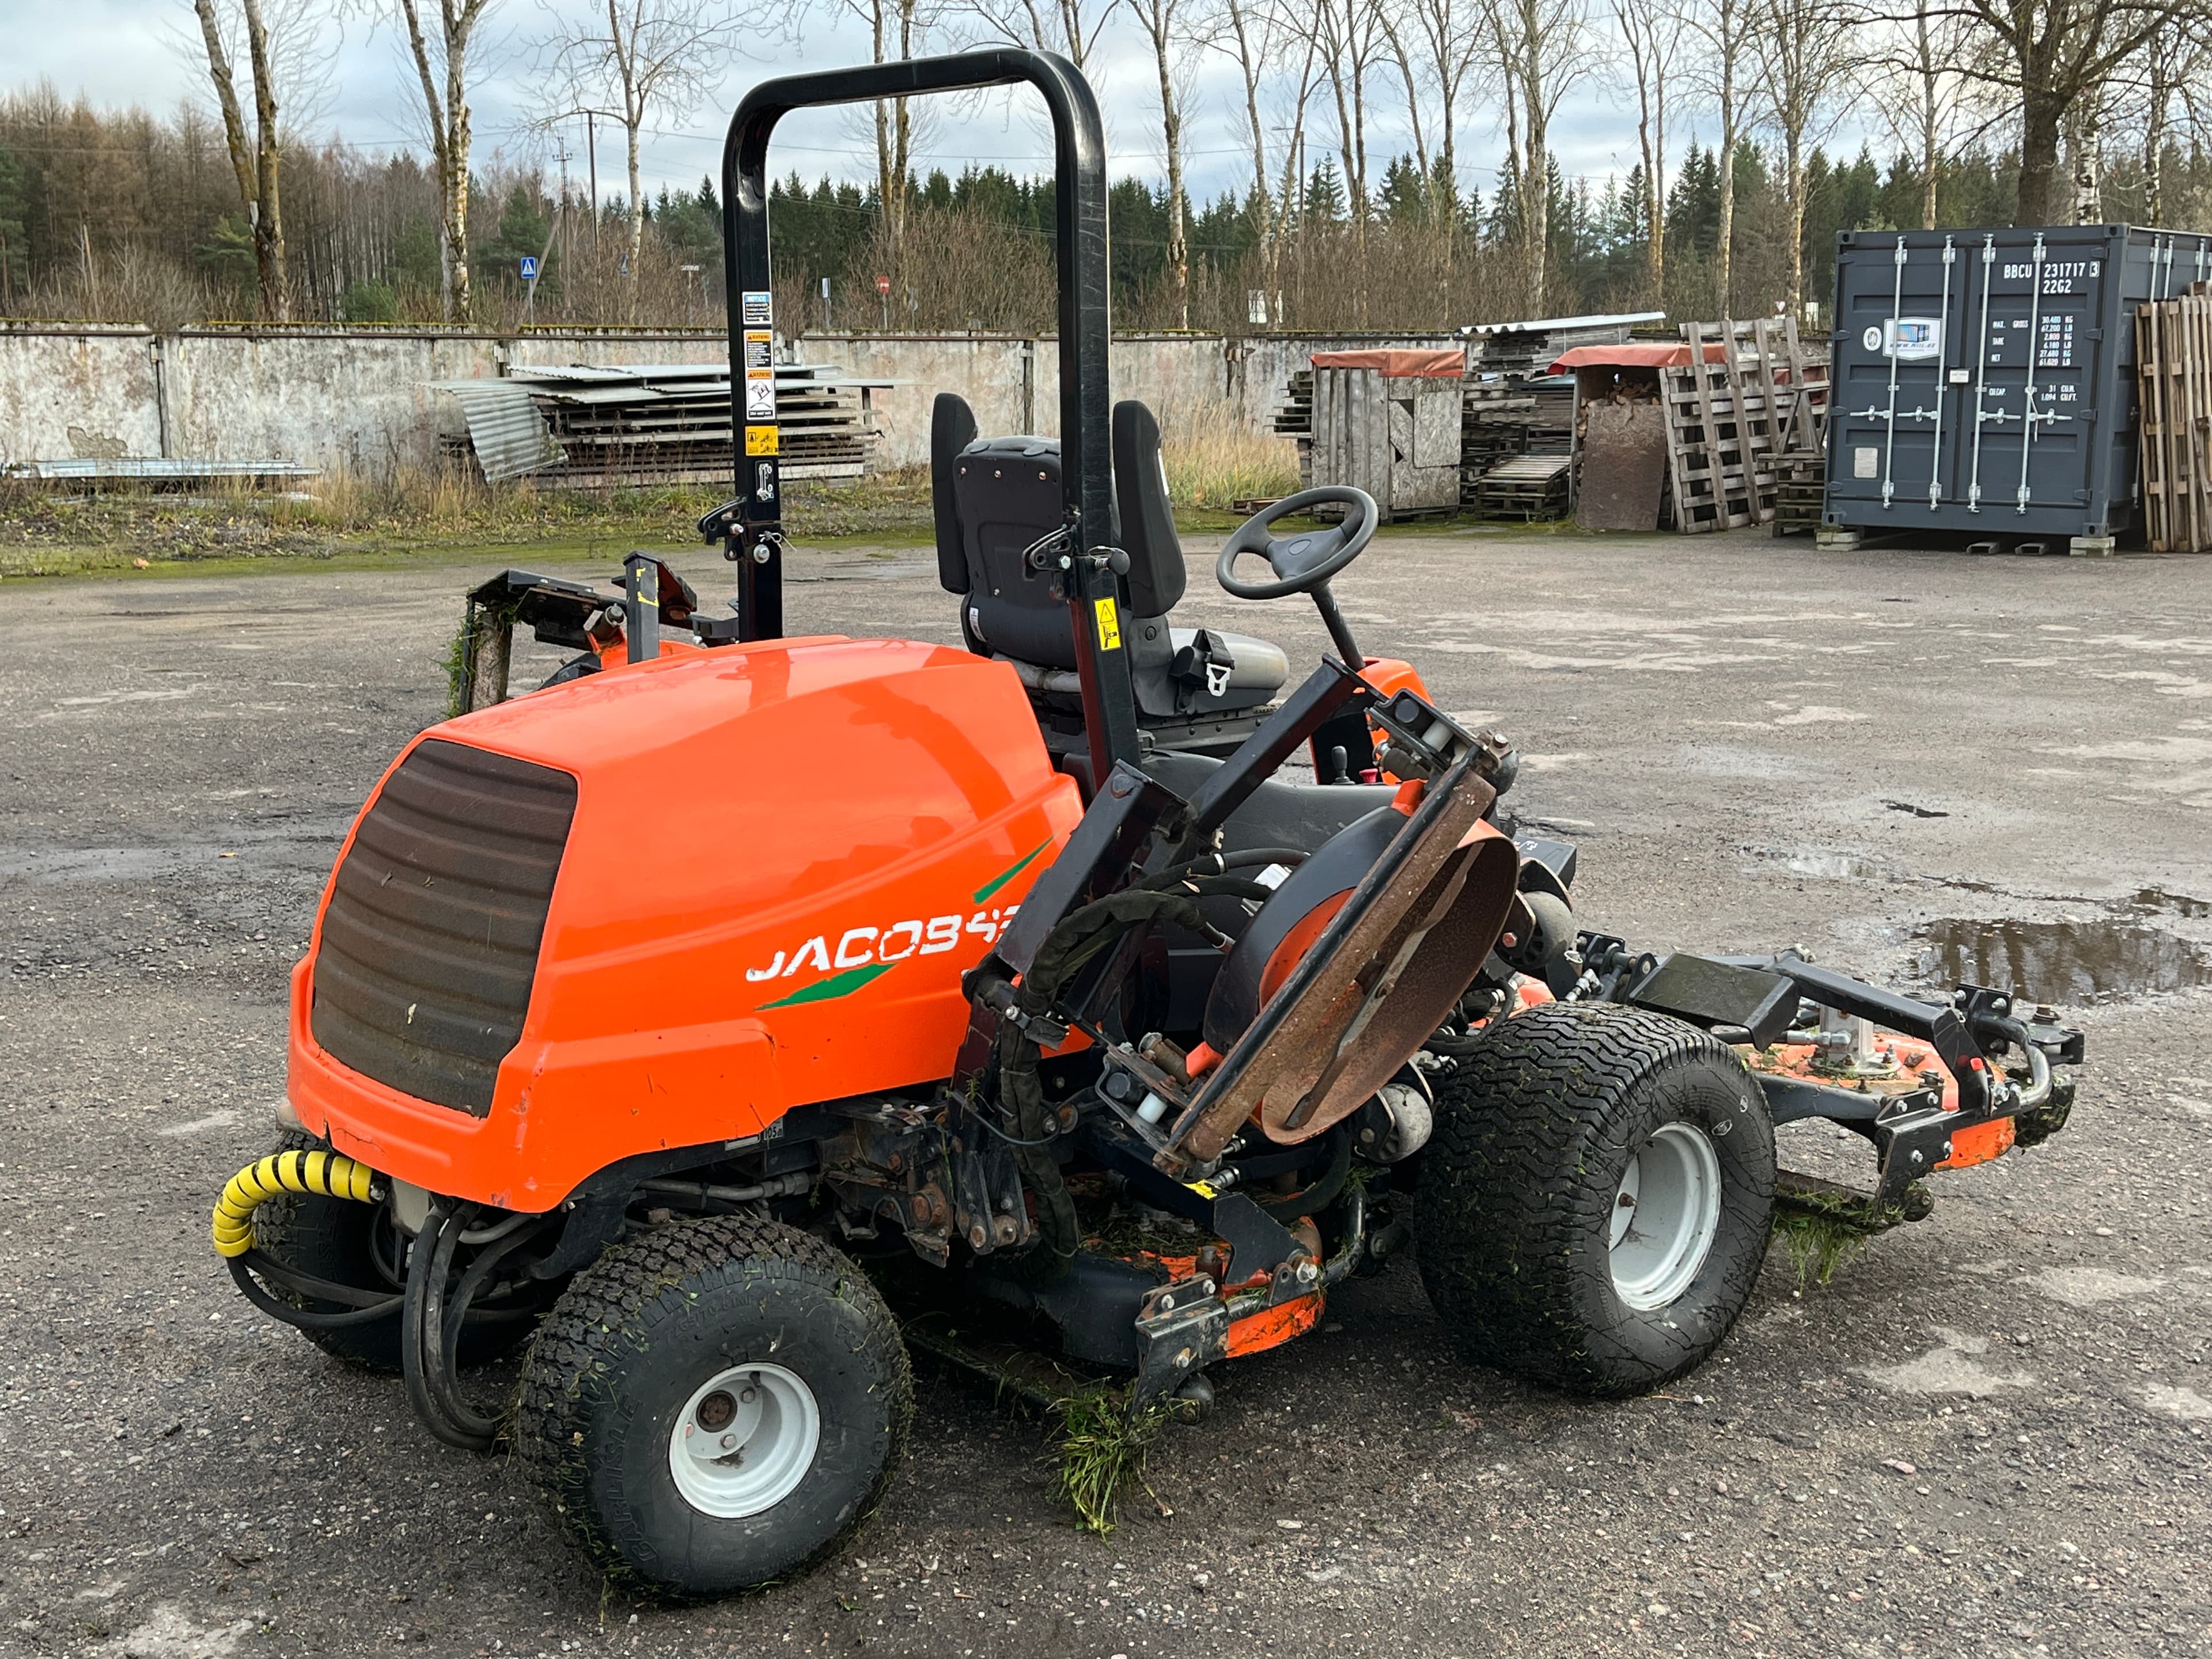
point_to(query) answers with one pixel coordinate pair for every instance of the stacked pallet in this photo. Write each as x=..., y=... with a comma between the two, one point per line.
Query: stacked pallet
x=1529, y=487
x=1295, y=418
x=2174, y=362
x=1494, y=420
x=1801, y=484
x=1748, y=394
x=609, y=426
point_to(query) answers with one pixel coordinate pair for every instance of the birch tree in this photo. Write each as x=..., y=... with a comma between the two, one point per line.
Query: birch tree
x=648, y=58
x=1539, y=47
x=2050, y=56
x=1070, y=28
x=254, y=159
x=1439, y=44
x=1164, y=27
x=1920, y=93
x=1721, y=31
x=1651, y=47
x=1802, y=51
x=896, y=30
x=440, y=55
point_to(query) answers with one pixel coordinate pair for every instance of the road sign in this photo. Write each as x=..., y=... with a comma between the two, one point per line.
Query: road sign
x=529, y=268
x=883, y=284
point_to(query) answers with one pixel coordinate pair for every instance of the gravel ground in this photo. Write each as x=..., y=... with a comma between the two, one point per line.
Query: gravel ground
x=1985, y=1436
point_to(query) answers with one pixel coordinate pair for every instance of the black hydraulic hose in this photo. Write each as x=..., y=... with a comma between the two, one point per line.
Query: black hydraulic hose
x=444, y=1309
x=1022, y=1092
x=465, y=1296
x=1319, y=1196
x=424, y=1361
x=367, y=1312
x=1214, y=864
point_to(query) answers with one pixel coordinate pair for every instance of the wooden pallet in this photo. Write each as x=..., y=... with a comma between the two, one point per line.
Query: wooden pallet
x=1527, y=487
x=1800, y=483
x=2173, y=358
x=1762, y=394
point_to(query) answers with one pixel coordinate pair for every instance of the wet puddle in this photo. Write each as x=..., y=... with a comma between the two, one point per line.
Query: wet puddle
x=2155, y=899
x=1828, y=865
x=2061, y=962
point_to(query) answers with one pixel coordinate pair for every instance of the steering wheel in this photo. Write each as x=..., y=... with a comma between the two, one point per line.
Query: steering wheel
x=1302, y=563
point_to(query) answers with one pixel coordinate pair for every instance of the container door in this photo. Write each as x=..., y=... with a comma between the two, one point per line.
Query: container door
x=1893, y=407
x=2037, y=354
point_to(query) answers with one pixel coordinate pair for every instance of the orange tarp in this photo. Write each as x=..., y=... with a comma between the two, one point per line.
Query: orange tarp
x=1657, y=354
x=1402, y=364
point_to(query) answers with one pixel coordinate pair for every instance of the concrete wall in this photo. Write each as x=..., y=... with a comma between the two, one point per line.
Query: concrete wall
x=360, y=399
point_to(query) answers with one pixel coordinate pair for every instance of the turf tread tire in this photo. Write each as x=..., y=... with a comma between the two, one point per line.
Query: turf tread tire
x=1532, y=1132
x=328, y=1238
x=323, y=1236
x=613, y=1312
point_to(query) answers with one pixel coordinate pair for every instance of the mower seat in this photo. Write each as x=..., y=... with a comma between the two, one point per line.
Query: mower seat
x=993, y=498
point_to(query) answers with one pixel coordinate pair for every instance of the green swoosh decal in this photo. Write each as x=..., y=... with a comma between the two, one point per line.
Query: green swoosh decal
x=828, y=990
x=1010, y=870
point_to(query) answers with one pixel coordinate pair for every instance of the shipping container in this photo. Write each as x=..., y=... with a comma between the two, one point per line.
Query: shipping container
x=1984, y=381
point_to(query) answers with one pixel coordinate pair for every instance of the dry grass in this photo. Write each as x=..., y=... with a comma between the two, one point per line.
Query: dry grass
x=411, y=512
x=1212, y=459
x=1214, y=469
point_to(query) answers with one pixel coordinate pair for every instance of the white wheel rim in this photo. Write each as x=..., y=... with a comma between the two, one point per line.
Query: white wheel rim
x=1666, y=1213
x=744, y=1441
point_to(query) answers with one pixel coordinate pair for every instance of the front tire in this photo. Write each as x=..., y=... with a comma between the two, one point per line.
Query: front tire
x=715, y=1405
x=1593, y=1209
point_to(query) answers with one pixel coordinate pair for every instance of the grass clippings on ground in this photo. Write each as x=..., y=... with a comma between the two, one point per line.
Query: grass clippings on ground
x=1101, y=1445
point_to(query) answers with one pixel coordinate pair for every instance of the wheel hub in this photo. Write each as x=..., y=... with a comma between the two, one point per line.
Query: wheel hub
x=1665, y=1215
x=744, y=1440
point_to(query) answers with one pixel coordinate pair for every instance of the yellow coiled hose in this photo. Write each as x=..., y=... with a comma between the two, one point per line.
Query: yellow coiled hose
x=321, y=1175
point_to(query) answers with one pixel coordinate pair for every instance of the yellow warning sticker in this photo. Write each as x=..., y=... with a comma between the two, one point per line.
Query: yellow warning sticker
x=1204, y=1188
x=1109, y=626
x=760, y=441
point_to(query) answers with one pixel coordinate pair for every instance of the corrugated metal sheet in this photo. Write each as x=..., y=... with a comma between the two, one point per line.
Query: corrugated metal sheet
x=157, y=470
x=508, y=435
x=1567, y=324
x=602, y=424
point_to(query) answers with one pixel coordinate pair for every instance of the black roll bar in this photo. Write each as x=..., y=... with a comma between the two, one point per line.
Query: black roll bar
x=755, y=540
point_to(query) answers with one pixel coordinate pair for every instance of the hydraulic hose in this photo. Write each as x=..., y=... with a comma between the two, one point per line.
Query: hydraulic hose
x=318, y=1174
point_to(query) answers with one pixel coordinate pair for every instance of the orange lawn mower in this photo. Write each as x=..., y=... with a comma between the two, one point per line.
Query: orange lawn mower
x=680, y=1019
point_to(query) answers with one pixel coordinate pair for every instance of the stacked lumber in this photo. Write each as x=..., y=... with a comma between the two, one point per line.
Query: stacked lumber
x=2173, y=365
x=1749, y=393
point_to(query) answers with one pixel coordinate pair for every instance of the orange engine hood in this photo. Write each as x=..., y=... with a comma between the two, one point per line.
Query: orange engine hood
x=782, y=858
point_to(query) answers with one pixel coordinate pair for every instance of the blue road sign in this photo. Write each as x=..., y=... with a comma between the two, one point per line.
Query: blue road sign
x=529, y=268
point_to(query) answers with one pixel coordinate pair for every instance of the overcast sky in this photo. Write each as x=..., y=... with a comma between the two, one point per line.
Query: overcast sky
x=118, y=53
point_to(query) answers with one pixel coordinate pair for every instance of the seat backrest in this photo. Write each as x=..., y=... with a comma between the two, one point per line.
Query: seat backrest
x=1156, y=576
x=1006, y=494
x=993, y=498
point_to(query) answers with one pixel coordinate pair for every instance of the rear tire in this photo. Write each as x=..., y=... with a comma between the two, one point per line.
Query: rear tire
x=356, y=1244
x=732, y=1327
x=575, y=668
x=343, y=1241
x=1593, y=1208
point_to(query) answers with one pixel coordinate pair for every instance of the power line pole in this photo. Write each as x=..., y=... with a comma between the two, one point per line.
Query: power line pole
x=592, y=143
x=568, y=302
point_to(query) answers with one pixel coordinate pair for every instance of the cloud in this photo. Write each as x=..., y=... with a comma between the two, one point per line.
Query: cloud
x=119, y=52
